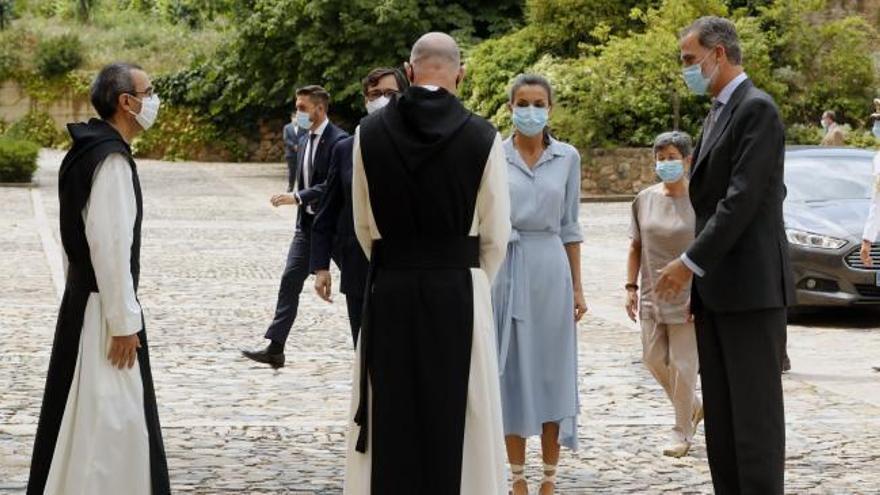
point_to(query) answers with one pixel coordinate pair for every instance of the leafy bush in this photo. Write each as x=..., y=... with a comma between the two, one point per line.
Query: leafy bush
x=38, y=127
x=180, y=134
x=862, y=139
x=803, y=134
x=56, y=57
x=18, y=160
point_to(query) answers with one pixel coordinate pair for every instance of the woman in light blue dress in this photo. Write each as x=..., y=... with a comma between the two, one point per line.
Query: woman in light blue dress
x=537, y=295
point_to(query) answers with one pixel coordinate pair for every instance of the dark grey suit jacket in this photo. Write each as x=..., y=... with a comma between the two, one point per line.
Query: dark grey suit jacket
x=737, y=191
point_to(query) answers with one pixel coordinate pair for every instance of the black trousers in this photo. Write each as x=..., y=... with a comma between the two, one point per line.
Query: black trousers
x=296, y=271
x=740, y=370
x=355, y=306
x=291, y=172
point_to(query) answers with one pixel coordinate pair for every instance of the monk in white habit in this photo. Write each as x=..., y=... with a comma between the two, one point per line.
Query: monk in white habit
x=99, y=428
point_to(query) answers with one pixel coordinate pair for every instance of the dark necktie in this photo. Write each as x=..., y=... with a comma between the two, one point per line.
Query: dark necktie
x=709, y=124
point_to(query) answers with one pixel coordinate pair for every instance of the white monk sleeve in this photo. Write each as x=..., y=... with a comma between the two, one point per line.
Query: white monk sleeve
x=109, y=217
x=360, y=198
x=493, y=211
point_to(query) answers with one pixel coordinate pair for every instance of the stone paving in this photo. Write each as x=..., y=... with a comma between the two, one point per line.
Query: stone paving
x=213, y=250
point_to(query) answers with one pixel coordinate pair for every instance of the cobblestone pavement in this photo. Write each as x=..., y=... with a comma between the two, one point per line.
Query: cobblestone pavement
x=213, y=251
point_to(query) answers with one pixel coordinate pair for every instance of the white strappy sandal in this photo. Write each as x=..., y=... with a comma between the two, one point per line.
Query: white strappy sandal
x=517, y=474
x=549, y=476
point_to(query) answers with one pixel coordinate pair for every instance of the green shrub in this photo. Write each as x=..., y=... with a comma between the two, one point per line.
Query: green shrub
x=18, y=160
x=181, y=134
x=56, y=57
x=862, y=139
x=38, y=127
x=798, y=134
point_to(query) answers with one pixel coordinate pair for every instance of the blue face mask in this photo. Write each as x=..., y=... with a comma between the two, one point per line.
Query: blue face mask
x=876, y=129
x=694, y=78
x=670, y=170
x=303, y=120
x=530, y=120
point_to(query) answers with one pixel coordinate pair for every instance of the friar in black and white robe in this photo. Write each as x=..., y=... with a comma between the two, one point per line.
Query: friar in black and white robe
x=99, y=431
x=431, y=211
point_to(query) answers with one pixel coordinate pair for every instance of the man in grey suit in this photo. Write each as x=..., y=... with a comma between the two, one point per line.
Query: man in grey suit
x=743, y=281
x=292, y=134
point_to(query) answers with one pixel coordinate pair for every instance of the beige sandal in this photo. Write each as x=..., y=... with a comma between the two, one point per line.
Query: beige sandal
x=517, y=475
x=549, y=476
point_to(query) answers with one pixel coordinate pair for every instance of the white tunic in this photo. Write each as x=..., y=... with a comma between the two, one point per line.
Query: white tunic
x=872, y=225
x=103, y=444
x=484, y=457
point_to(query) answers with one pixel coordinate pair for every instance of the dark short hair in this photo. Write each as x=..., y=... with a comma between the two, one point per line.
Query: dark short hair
x=713, y=31
x=317, y=94
x=113, y=80
x=677, y=139
x=375, y=75
x=530, y=80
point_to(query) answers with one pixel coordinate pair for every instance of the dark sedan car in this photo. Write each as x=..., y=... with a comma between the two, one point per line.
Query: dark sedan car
x=829, y=195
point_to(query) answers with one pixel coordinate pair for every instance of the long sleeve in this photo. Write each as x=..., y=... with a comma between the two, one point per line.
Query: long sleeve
x=327, y=217
x=570, y=228
x=109, y=217
x=493, y=211
x=872, y=225
x=360, y=199
x=762, y=140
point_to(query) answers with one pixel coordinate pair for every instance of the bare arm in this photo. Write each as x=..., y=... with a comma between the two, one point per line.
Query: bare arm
x=573, y=251
x=633, y=263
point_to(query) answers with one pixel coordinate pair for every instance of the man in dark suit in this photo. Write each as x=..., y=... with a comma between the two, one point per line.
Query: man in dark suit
x=316, y=147
x=743, y=280
x=333, y=230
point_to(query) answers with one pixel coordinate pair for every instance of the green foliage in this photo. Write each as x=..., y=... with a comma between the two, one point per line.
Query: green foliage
x=18, y=160
x=181, y=134
x=56, y=57
x=862, y=139
x=10, y=61
x=38, y=127
x=563, y=26
x=803, y=134
x=823, y=65
x=282, y=44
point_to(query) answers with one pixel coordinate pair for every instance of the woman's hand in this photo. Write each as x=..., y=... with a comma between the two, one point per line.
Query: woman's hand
x=632, y=303
x=580, y=305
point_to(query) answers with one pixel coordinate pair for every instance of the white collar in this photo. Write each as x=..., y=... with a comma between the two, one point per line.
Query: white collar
x=320, y=129
x=429, y=87
x=725, y=94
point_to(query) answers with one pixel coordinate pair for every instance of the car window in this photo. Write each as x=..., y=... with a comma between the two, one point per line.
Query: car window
x=828, y=178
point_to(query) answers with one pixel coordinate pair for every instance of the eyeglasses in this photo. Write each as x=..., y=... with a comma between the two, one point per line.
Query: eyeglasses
x=378, y=93
x=147, y=92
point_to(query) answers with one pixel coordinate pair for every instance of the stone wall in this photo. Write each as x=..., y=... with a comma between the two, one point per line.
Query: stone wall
x=617, y=171
x=15, y=103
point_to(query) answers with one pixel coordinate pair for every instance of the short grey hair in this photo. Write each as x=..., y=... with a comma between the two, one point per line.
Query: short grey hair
x=677, y=139
x=530, y=80
x=713, y=31
x=113, y=80
x=437, y=46
x=830, y=114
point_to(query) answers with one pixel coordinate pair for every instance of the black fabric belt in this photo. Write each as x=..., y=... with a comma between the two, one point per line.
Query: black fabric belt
x=405, y=254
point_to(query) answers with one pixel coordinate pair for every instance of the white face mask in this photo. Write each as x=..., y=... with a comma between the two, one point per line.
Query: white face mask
x=376, y=104
x=149, y=111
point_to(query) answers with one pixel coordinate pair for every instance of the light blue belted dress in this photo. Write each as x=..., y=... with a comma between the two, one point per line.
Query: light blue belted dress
x=533, y=296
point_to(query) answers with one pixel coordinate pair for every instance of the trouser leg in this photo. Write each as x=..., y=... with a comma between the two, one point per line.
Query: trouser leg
x=683, y=370
x=295, y=274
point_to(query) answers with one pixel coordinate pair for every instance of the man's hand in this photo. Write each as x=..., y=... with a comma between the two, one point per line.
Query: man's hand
x=865, y=253
x=632, y=303
x=674, y=277
x=123, y=351
x=284, y=199
x=323, y=282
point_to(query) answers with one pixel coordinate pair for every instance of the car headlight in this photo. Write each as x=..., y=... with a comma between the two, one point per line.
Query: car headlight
x=809, y=239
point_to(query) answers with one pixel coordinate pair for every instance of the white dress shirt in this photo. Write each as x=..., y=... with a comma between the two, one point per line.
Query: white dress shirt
x=309, y=153
x=723, y=97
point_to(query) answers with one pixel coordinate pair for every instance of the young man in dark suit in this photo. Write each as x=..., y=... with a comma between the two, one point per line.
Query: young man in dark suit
x=743, y=280
x=315, y=148
x=333, y=230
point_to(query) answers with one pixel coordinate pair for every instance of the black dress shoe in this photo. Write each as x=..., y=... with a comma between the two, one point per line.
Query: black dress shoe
x=264, y=356
x=786, y=364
